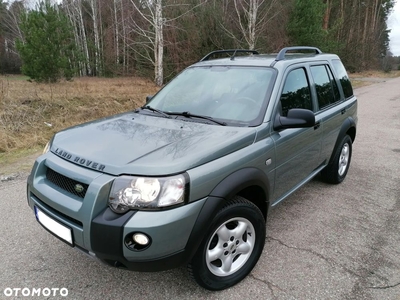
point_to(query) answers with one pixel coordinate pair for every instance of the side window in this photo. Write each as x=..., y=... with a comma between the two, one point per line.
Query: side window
x=343, y=78
x=334, y=84
x=296, y=92
x=327, y=90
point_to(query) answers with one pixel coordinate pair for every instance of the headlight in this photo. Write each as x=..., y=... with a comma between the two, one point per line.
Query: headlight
x=48, y=145
x=46, y=148
x=131, y=192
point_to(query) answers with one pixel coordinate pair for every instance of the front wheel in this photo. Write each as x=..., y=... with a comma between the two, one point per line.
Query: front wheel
x=336, y=170
x=231, y=247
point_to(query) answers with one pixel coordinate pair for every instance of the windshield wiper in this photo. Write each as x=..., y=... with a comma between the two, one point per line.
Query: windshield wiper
x=156, y=110
x=190, y=115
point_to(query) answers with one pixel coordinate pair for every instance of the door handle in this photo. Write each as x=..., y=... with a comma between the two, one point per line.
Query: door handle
x=343, y=111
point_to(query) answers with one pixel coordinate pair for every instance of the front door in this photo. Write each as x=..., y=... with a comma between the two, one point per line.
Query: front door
x=297, y=150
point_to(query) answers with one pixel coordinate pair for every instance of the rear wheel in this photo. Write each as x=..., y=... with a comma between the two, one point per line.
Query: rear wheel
x=336, y=170
x=231, y=247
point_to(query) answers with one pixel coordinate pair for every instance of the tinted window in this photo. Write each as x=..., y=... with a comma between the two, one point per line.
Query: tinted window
x=344, y=79
x=334, y=84
x=327, y=90
x=296, y=92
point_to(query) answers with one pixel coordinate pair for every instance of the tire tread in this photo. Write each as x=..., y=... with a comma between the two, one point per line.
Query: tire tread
x=330, y=172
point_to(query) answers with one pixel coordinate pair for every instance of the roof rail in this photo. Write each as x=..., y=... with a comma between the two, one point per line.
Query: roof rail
x=282, y=53
x=234, y=51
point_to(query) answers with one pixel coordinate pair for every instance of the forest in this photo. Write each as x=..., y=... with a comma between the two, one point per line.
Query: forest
x=158, y=38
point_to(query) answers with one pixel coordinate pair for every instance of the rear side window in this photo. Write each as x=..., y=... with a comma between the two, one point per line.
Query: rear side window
x=296, y=92
x=325, y=85
x=343, y=78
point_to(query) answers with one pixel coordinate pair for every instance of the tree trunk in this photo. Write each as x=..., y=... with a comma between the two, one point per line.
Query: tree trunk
x=159, y=44
x=84, y=38
x=116, y=33
x=124, y=42
x=96, y=38
x=252, y=23
x=72, y=17
x=327, y=15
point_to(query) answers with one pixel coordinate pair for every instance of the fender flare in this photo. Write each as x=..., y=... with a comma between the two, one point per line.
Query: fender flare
x=241, y=179
x=347, y=124
x=225, y=190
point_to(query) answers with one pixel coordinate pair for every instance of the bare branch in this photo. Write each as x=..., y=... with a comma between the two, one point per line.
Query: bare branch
x=188, y=11
x=143, y=15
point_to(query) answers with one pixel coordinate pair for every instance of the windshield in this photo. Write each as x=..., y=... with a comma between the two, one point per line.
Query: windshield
x=235, y=95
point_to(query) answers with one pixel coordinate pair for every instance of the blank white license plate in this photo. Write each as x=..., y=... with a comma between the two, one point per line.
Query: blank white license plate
x=53, y=226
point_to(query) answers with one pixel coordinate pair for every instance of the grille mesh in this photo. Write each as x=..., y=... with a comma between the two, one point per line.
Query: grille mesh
x=66, y=183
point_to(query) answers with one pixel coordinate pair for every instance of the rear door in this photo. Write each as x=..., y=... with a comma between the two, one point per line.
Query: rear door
x=331, y=107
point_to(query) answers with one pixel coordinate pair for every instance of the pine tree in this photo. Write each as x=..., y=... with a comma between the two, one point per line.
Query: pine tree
x=306, y=23
x=48, y=48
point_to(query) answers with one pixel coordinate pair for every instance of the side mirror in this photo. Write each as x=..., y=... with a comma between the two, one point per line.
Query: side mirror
x=296, y=118
x=148, y=98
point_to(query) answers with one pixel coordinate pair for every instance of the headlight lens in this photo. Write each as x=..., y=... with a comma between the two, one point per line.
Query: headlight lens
x=131, y=192
x=46, y=148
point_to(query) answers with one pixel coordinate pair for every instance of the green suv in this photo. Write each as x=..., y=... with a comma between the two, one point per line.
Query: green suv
x=191, y=177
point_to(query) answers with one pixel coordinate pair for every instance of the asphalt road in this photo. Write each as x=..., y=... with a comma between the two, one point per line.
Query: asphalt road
x=324, y=242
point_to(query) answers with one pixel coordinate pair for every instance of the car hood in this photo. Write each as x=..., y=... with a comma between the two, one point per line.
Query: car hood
x=139, y=144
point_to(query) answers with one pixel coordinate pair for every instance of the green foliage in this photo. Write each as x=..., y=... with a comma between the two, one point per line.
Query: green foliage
x=194, y=35
x=387, y=64
x=305, y=24
x=48, y=47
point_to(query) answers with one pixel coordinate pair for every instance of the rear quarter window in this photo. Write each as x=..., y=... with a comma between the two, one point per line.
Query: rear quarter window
x=343, y=78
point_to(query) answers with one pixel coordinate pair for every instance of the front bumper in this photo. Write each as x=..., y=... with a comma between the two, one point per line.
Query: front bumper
x=175, y=233
x=169, y=232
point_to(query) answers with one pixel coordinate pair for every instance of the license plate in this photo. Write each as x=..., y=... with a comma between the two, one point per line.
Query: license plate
x=53, y=226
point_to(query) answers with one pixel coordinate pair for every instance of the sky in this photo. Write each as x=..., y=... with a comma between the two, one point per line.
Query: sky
x=394, y=25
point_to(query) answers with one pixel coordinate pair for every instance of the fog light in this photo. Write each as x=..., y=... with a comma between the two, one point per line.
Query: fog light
x=141, y=239
x=137, y=241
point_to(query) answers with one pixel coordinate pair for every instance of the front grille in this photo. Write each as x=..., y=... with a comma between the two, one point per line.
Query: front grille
x=56, y=212
x=71, y=186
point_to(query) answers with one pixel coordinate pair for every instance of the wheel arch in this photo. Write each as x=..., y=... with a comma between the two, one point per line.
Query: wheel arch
x=352, y=133
x=349, y=128
x=249, y=183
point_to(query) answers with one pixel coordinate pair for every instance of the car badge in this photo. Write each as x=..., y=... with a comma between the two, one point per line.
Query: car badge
x=78, y=188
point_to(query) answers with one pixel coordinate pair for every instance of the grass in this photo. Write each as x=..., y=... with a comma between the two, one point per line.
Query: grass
x=30, y=113
x=376, y=74
x=19, y=160
x=368, y=77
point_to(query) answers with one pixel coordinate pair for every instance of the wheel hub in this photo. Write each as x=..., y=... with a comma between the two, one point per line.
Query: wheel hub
x=231, y=247
x=344, y=159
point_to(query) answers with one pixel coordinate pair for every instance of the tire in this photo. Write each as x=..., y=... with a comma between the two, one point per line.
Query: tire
x=336, y=170
x=231, y=247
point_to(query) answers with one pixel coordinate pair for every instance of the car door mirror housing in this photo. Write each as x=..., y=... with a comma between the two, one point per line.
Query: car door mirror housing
x=296, y=118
